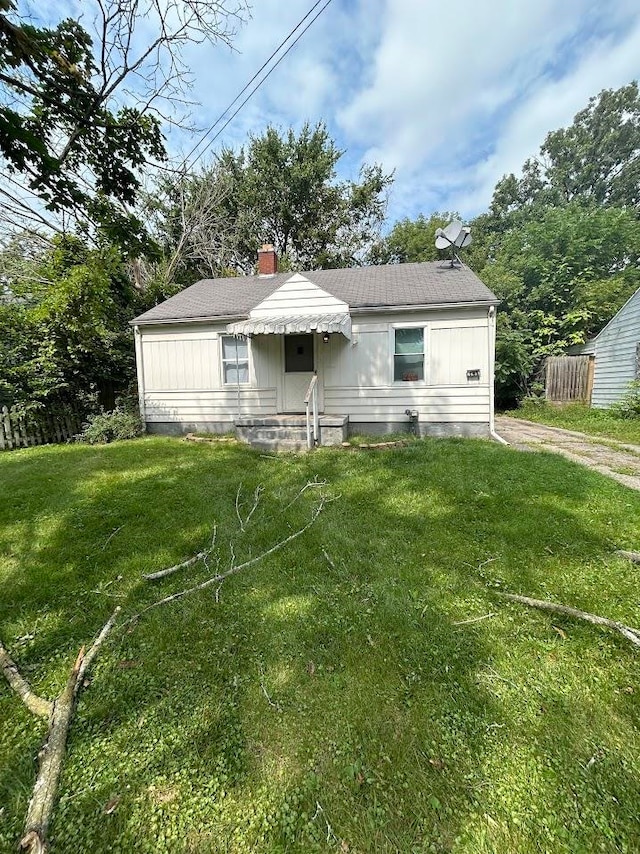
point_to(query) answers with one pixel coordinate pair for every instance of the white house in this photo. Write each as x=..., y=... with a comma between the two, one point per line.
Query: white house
x=616, y=349
x=404, y=346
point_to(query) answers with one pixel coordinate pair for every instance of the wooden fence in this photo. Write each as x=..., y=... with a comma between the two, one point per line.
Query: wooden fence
x=569, y=379
x=41, y=428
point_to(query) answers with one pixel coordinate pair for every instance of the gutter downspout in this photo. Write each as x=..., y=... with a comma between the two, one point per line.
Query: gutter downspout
x=491, y=322
x=137, y=337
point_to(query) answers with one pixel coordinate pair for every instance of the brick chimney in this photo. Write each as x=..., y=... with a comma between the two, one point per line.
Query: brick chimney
x=267, y=260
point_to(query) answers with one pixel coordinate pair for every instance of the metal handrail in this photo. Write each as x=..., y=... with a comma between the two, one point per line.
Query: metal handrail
x=312, y=397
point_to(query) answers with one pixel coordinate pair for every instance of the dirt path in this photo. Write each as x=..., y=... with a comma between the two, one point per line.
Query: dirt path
x=613, y=459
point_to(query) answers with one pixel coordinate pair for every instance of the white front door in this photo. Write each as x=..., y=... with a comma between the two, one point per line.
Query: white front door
x=299, y=364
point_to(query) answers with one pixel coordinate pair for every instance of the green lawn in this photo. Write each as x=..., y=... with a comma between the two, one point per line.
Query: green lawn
x=584, y=419
x=328, y=701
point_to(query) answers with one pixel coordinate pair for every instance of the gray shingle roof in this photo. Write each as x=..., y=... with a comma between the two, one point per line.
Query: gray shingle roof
x=393, y=285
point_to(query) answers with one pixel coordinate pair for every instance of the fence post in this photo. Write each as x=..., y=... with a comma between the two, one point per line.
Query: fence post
x=5, y=429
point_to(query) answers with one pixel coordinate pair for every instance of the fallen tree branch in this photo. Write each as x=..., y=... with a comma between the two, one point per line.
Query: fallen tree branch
x=234, y=569
x=162, y=573
x=203, y=555
x=19, y=684
x=474, y=619
x=51, y=756
x=257, y=495
x=626, y=631
x=310, y=484
x=634, y=557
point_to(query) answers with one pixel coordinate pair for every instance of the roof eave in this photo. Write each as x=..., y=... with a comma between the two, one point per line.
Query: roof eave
x=368, y=309
x=362, y=309
x=211, y=318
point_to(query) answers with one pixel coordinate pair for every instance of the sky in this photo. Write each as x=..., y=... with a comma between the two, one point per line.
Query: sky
x=449, y=97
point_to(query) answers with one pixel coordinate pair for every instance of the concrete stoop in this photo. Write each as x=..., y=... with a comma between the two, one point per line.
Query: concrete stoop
x=289, y=432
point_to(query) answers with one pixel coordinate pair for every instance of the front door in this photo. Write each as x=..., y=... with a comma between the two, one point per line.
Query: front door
x=299, y=364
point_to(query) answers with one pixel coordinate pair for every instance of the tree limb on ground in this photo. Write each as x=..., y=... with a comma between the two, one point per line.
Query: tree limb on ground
x=36, y=705
x=234, y=569
x=203, y=555
x=634, y=557
x=626, y=631
x=51, y=756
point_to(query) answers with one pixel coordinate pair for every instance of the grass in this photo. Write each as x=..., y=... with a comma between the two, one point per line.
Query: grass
x=333, y=699
x=373, y=439
x=584, y=419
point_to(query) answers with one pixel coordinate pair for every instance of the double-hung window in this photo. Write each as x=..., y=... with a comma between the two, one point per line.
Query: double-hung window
x=235, y=360
x=408, y=354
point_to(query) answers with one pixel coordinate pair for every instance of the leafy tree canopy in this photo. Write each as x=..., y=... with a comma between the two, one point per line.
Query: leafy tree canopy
x=595, y=159
x=63, y=324
x=561, y=277
x=280, y=188
x=411, y=240
x=81, y=114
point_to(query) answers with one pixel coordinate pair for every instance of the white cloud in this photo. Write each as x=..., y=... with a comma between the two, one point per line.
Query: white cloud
x=450, y=96
x=554, y=104
x=456, y=99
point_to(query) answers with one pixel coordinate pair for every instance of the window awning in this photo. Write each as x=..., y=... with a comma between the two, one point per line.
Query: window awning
x=292, y=324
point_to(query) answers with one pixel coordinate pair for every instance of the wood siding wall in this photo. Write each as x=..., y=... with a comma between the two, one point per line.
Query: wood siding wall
x=615, y=350
x=182, y=375
x=298, y=296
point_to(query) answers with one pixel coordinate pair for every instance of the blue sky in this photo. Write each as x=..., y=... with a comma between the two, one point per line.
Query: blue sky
x=450, y=96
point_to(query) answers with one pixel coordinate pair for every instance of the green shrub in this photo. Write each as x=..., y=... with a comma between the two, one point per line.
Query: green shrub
x=629, y=405
x=110, y=426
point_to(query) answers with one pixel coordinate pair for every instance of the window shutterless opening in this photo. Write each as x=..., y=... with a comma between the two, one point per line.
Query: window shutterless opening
x=235, y=360
x=408, y=355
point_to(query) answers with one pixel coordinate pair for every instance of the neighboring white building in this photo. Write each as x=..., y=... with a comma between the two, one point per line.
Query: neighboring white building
x=392, y=346
x=617, y=354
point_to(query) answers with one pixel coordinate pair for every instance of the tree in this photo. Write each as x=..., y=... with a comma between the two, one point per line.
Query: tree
x=63, y=326
x=560, y=277
x=595, y=159
x=80, y=115
x=411, y=240
x=280, y=188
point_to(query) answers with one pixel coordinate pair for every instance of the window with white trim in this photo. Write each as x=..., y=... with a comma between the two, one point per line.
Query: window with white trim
x=408, y=354
x=235, y=360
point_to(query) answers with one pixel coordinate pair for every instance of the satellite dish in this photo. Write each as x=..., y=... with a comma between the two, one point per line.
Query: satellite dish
x=453, y=236
x=441, y=240
x=452, y=231
x=464, y=238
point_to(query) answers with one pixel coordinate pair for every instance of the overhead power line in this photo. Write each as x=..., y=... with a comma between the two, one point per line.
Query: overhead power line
x=258, y=84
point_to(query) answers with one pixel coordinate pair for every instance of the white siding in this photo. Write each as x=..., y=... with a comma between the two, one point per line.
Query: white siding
x=182, y=373
x=298, y=296
x=615, y=351
x=182, y=376
x=359, y=379
x=220, y=405
x=454, y=351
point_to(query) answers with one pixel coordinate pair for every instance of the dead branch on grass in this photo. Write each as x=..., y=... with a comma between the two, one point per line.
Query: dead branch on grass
x=234, y=569
x=311, y=484
x=36, y=705
x=51, y=756
x=257, y=495
x=634, y=557
x=243, y=522
x=475, y=619
x=203, y=556
x=626, y=631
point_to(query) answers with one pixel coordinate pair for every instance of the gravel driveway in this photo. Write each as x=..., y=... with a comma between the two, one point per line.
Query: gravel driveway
x=613, y=459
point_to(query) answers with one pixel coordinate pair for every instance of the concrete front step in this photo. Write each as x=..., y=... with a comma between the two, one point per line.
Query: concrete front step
x=289, y=432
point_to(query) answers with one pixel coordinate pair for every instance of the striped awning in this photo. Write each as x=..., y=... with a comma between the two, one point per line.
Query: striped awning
x=292, y=324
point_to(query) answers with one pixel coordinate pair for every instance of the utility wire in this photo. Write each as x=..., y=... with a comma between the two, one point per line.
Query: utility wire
x=242, y=91
x=258, y=84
